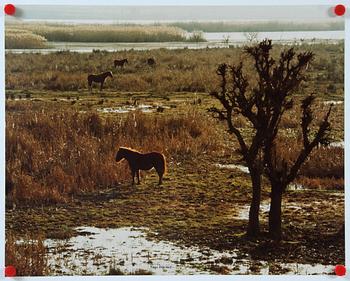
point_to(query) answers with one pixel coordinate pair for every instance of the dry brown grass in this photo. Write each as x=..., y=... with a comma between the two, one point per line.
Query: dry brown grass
x=53, y=154
x=325, y=162
x=27, y=254
x=323, y=168
x=321, y=183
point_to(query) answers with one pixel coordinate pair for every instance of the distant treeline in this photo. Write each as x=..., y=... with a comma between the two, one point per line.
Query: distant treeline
x=256, y=26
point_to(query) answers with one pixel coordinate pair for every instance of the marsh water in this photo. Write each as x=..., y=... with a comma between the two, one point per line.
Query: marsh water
x=242, y=168
x=214, y=40
x=129, y=250
x=287, y=36
x=145, y=108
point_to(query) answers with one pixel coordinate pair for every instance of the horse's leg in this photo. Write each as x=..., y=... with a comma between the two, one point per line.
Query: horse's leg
x=89, y=85
x=160, y=172
x=138, y=176
x=133, y=174
x=160, y=168
x=101, y=86
x=160, y=179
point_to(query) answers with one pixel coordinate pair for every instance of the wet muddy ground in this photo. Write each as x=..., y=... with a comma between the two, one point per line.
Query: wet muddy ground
x=99, y=251
x=166, y=229
x=193, y=224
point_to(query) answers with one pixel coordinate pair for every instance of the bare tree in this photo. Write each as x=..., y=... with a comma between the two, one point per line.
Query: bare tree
x=251, y=36
x=235, y=101
x=263, y=105
x=226, y=39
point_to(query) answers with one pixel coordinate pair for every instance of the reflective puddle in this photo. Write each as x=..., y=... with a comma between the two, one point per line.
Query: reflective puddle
x=128, y=108
x=243, y=213
x=296, y=187
x=337, y=144
x=95, y=251
x=334, y=102
x=142, y=107
x=242, y=168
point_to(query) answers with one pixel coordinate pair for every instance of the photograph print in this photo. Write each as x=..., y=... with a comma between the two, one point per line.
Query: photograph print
x=174, y=140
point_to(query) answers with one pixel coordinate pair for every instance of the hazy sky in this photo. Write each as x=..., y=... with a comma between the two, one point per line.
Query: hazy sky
x=175, y=13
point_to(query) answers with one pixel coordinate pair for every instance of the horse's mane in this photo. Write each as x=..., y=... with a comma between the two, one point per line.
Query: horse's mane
x=103, y=73
x=129, y=149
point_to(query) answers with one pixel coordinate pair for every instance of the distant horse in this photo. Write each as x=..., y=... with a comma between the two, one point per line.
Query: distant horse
x=138, y=161
x=98, y=78
x=120, y=63
x=151, y=62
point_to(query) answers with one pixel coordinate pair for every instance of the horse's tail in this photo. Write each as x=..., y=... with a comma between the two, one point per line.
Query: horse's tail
x=164, y=163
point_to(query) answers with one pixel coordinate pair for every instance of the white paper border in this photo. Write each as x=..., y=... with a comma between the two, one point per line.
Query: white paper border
x=330, y=3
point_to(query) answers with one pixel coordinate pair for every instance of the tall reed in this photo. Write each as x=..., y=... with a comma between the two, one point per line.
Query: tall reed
x=24, y=39
x=102, y=33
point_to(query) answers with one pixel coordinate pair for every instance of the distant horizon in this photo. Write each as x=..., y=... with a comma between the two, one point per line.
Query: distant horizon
x=93, y=14
x=86, y=21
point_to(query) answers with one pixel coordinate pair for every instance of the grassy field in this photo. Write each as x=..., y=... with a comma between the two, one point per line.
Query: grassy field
x=61, y=142
x=175, y=71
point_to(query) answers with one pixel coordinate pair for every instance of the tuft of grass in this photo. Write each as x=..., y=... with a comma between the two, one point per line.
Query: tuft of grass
x=115, y=271
x=142, y=272
x=27, y=254
x=118, y=271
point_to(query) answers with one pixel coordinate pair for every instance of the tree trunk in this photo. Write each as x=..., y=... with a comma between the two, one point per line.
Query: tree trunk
x=275, y=214
x=253, y=224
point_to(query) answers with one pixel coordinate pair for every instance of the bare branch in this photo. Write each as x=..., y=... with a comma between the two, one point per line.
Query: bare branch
x=321, y=136
x=306, y=118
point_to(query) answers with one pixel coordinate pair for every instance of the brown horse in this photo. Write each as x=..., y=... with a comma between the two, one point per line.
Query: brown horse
x=98, y=78
x=120, y=63
x=151, y=62
x=138, y=161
